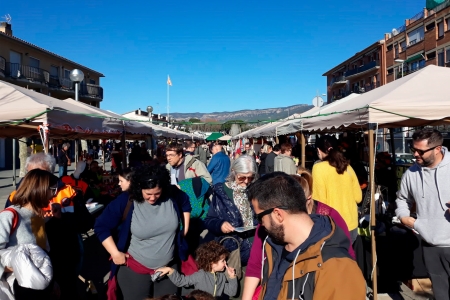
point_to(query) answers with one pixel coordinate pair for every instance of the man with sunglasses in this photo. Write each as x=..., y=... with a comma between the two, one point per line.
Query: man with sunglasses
x=306, y=255
x=426, y=184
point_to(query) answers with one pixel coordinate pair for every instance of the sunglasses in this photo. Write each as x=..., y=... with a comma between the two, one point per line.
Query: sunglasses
x=242, y=178
x=421, y=152
x=268, y=211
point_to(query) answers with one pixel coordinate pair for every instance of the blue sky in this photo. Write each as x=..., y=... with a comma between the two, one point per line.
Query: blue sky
x=221, y=55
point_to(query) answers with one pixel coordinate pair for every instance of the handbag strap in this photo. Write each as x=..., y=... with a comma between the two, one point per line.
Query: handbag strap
x=230, y=237
x=15, y=221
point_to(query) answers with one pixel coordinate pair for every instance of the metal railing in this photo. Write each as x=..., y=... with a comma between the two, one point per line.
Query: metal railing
x=337, y=79
x=418, y=16
x=363, y=68
x=2, y=65
x=15, y=70
x=91, y=90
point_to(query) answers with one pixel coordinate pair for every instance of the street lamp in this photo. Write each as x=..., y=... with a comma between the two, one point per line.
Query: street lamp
x=76, y=76
x=402, y=61
x=150, y=115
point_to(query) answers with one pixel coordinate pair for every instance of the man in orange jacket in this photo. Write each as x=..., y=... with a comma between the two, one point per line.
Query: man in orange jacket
x=306, y=255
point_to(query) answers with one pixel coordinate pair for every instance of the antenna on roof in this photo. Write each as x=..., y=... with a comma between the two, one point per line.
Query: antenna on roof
x=8, y=18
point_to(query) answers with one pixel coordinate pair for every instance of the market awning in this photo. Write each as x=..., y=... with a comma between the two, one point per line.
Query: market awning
x=214, y=136
x=413, y=58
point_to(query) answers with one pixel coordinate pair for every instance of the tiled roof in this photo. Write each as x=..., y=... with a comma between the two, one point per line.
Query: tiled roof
x=48, y=52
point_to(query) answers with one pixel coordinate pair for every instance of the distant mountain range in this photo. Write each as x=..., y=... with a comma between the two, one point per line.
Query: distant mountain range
x=247, y=115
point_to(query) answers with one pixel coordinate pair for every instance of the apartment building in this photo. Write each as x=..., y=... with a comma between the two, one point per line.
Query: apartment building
x=423, y=40
x=361, y=73
x=33, y=67
x=30, y=66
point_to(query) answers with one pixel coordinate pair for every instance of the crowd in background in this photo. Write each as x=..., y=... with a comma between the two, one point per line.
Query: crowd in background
x=197, y=217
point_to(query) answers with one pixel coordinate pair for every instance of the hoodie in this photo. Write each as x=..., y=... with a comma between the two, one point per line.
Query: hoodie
x=312, y=270
x=284, y=163
x=428, y=188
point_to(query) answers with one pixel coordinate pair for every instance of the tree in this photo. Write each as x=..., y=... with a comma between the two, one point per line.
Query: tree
x=194, y=120
x=227, y=125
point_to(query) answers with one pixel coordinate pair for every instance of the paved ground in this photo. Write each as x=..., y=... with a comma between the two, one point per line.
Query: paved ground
x=96, y=264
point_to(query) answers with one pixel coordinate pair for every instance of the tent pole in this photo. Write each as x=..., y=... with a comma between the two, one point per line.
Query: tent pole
x=303, y=141
x=14, y=162
x=372, y=208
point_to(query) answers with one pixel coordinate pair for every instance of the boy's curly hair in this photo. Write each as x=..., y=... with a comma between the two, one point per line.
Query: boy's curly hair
x=200, y=295
x=210, y=253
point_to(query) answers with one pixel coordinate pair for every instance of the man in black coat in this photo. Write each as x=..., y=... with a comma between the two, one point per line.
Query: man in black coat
x=270, y=158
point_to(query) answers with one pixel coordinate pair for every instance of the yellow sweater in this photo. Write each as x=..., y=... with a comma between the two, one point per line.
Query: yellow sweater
x=339, y=191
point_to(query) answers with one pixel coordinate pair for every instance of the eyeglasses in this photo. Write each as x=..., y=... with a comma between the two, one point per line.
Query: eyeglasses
x=171, y=155
x=422, y=152
x=54, y=190
x=242, y=178
x=268, y=211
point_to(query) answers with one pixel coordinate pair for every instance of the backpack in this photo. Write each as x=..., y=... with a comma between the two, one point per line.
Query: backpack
x=15, y=219
x=198, y=191
x=189, y=166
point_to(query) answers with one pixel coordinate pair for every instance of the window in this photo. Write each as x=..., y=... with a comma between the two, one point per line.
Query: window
x=390, y=71
x=441, y=29
x=415, y=36
x=447, y=21
x=430, y=26
x=418, y=64
x=441, y=61
x=389, y=48
x=431, y=55
x=92, y=81
x=54, y=71
x=402, y=46
x=66, y=74
x=34, y=62
x=447, y=55
x=396, y=50
x=34, y=68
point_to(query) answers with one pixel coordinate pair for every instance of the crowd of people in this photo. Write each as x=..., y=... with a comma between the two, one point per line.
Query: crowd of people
x=192, y=220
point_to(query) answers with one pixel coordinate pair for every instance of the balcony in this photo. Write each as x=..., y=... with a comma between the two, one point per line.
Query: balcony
x=19, y=71
x=335, y=81
x=91, y=91
x=363, y=69
x=2, y=66
x=65, y=85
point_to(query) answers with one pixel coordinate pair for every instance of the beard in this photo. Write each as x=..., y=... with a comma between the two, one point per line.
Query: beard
x=276, y=232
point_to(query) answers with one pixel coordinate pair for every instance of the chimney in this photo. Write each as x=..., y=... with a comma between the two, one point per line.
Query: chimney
x=6, y=28
x=139, y=111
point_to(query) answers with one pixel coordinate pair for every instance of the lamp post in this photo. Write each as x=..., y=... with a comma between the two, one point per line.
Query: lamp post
x=150, y=113
x=402, y=61
x=150, y=119
x=76, y=76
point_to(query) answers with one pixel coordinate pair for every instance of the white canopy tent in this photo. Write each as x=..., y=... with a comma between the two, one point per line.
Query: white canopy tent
x=418, y=99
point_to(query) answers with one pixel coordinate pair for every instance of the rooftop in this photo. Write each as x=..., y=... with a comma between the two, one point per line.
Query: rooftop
x=48, y=52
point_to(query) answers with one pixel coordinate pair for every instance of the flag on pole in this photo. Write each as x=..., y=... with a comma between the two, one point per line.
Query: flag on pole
x=169, y=82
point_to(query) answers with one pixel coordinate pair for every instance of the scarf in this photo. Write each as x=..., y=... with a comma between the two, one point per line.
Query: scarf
x=241, y=201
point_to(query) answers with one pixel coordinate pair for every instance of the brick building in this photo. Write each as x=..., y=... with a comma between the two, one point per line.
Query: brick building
x=423, y=40
x=361, y=73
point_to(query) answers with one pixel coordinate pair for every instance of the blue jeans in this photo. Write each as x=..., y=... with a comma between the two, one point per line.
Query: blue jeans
x=62, y=171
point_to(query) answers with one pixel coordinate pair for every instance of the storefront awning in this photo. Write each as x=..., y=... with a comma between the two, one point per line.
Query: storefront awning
x=415, y=57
